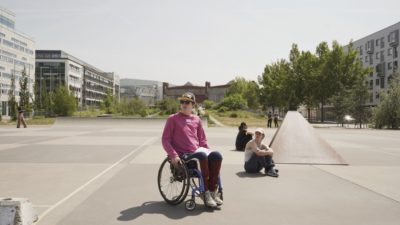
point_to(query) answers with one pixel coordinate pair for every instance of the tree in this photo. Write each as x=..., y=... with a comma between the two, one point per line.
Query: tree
x=24, y=92
x=341, y=104
x=109, y=102
x=208, y=104
x=387, y=113
x=276, y=86
x=233, y=102
x=354, y=76
x=249, y=90
x=316, y=79
x=325, y=76
x=168, y=106
x=12, y=103
x=305, y=66
x=64, y=102
x=132, y=107
x=47, y=101
x=358, y=98
x=339, y=69
x=350, y=93
x=294, y=82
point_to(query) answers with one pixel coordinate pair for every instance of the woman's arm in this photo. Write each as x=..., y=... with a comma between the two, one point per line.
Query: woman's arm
x=167, y=138
x=201, y=135
x=263, y=151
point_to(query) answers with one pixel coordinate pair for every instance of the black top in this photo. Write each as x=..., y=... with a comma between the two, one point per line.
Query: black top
x=241, y=140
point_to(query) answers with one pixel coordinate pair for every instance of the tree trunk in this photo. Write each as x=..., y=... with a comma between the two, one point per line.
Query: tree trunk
x=322, y=110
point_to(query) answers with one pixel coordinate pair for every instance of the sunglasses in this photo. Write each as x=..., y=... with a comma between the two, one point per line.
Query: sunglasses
x=186, y=102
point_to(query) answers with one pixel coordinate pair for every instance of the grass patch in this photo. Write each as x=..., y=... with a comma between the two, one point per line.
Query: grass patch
x=89, y=113
x=234, y=118
x=39, y=120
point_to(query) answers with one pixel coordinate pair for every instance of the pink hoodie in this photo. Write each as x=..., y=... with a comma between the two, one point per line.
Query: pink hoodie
x=183, y=134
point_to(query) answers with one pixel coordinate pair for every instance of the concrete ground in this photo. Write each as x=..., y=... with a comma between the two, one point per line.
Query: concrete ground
x=85, y=172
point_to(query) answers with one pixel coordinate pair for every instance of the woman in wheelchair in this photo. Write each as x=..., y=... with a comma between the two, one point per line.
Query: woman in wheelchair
x=184, y=139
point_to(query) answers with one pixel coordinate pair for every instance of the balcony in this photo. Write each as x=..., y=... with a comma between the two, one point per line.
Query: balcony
x=394, y=38
x=370, y=46
x=380, y=69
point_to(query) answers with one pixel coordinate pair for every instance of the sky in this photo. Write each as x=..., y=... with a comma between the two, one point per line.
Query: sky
x=177, y=41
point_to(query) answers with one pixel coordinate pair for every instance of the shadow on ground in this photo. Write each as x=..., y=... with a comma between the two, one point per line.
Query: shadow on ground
x=161, y=207
x=243, y=174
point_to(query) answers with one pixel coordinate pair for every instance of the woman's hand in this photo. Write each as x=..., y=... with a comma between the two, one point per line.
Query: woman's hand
x=176, y=161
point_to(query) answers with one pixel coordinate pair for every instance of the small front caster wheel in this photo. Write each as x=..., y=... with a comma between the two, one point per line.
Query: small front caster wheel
x=190, y=205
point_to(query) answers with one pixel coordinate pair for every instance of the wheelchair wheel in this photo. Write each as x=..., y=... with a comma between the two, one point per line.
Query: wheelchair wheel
x=190, y=205
x=173, y=183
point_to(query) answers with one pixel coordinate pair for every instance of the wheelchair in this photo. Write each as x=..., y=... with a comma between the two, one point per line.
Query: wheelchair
x=174, y=183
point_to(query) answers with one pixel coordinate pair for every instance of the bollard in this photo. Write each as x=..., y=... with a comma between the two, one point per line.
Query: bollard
x=17, y=211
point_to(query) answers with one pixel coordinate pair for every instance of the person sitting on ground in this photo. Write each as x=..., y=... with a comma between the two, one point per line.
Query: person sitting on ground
x=258, y=156
x=242, y=137
x=184, y=138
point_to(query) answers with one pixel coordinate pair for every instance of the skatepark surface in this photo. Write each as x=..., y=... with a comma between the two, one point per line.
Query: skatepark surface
x=104, y=171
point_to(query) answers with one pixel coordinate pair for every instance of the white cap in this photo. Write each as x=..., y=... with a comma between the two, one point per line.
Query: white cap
x=260, y=130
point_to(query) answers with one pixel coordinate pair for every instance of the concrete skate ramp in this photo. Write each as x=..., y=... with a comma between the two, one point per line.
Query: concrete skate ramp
x=296, y=142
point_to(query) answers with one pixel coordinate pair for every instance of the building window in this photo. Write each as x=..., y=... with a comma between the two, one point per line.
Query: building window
x=377, y=95
x=390, y=51
x=366, y=58
x=8, y=43
x=395, y=52
x=378, y=55
x=382, y=42
x=389, y=79
x=377, y=42
x=382, y=82
x=390, y=65
x=377, y=82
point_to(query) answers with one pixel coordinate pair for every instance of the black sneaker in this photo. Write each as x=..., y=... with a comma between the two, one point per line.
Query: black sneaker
x=272, y=173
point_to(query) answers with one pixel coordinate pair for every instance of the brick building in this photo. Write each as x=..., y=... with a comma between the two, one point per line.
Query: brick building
x=207, y=92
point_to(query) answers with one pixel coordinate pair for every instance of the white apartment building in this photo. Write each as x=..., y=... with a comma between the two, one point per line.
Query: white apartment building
x=88, y=84
x=17, y=52
x=379, y=51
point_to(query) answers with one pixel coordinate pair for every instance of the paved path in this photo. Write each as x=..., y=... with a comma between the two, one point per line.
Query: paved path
x=104, y=172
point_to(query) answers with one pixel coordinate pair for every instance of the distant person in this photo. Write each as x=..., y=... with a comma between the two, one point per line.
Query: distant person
x=269, y=116
x=276, y=120
x=21, y=118
x=258, y=156
x=242, y=137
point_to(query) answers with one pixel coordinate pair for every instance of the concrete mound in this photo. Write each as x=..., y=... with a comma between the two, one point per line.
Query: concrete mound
x=296, y=142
